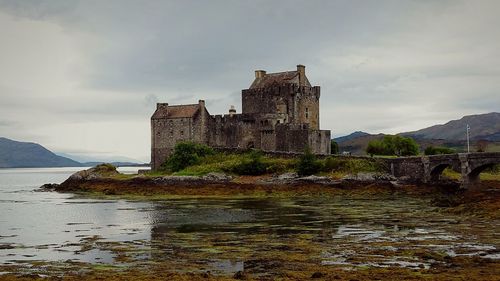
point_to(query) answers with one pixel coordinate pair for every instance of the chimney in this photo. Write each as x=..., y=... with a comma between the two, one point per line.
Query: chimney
x=302, y=74
x=232, y=110
x=260, y=73
x=161, y=106
x=201, y=103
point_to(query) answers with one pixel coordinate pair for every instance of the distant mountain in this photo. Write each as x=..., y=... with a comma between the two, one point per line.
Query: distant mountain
x=357, y=145
x=482, y=126
x=452, y=134
x=351, y=136
x=85, y=158
x=116, y=164
x=15, y=154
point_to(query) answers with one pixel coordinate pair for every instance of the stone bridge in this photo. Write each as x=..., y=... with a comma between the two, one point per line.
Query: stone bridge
x=430, y=168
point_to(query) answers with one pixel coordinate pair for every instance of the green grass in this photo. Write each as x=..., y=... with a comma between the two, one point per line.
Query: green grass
x=349, y=165
x=228, y=163
x=494, y=147
x=489, y=174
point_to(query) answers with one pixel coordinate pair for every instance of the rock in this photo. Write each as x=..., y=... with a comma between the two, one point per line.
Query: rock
x=287, y=176
x=292, y=178
x=367, y=177
x=99, y=171
x=217, y=177
x=49, y=187
x=384, y=177
x=360, y=177
x=315, y=179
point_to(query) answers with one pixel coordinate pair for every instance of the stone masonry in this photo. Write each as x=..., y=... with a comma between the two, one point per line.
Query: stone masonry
x=280, y=112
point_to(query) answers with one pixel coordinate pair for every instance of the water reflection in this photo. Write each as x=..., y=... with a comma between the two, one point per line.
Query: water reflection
x=229, y=235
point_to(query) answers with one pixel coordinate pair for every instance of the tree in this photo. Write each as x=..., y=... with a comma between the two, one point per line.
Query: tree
x=431, y=150
x=334, y=147
x=308, y=164
x=376, y=147
x=393, y=145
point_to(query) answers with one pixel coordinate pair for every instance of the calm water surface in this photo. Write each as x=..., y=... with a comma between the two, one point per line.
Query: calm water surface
x=226, y=235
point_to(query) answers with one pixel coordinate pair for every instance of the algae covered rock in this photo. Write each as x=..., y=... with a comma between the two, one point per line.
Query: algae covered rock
x=217, y=177
x=99, y=171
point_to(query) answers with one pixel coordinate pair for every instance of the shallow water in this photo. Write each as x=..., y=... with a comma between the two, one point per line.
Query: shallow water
x=228, y=235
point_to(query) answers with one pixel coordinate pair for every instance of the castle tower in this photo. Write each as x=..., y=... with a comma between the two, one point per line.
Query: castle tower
x=288, y=93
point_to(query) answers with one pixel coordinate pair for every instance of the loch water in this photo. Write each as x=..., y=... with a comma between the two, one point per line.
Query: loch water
x=226, y=235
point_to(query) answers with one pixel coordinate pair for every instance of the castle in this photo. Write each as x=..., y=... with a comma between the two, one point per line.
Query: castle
x=280, y=112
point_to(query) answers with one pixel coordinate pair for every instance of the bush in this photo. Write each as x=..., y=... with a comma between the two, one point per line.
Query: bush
x=252, y=165
x=279, y=165
x=431, y=150
x=186, y=154
x=334, y=147
x=393, y=145
x=307, y=164
x=105, y=169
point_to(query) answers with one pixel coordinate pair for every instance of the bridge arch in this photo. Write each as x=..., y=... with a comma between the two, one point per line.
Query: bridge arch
x=475, y=171
x=437, y=170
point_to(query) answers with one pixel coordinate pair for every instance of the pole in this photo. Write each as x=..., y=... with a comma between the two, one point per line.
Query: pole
x=468, y=146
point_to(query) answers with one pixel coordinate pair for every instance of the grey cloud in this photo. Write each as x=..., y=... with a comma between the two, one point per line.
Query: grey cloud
x=382, y=65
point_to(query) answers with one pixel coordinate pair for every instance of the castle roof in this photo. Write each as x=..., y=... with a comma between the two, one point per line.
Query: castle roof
x=176, y=111
x=269, y=79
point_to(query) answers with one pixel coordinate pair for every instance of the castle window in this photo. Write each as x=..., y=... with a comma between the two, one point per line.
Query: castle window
x=182, y=133
x=307, y=113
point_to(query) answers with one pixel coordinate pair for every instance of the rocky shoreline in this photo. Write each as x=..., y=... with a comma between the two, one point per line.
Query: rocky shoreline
x=85, y=179
x=108, y=181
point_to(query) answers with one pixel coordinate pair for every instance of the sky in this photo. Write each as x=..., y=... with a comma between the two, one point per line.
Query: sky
x=83, y=77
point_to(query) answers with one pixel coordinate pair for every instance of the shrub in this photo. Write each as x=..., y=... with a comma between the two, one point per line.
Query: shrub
x=252, y=164
x=307, y=164
x=334, y=164
x=334, y=147
x=105, y=169
x=186, y=154
x=431, y=150
x=280, y=165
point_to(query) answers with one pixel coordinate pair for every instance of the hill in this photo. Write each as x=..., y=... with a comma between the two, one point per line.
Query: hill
x=482, y=127
x=15, y=154
x=451, y=134
x=351, y=136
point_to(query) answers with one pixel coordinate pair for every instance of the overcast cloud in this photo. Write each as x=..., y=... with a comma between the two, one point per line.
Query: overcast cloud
x=85, y=75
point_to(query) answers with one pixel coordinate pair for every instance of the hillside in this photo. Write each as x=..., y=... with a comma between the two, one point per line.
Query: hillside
x=351, y=136
x=452, y=134
x=482, y=126
x=15, y=154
